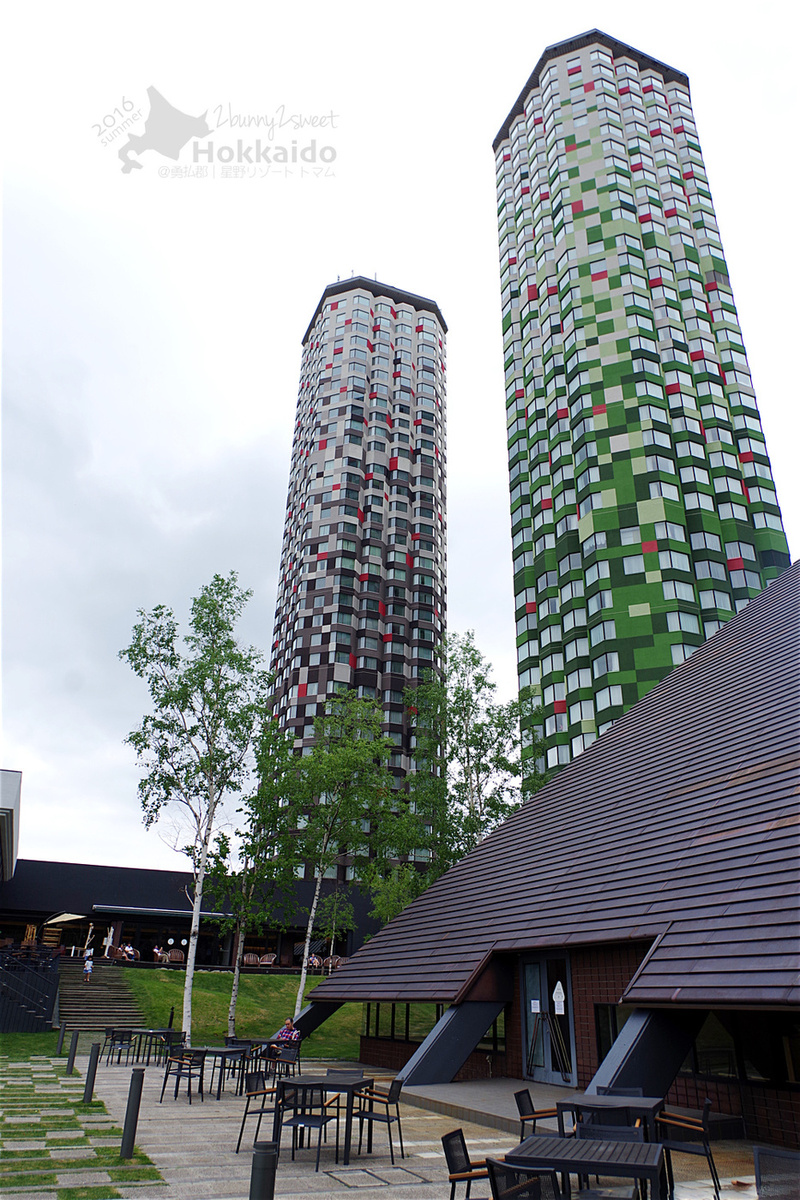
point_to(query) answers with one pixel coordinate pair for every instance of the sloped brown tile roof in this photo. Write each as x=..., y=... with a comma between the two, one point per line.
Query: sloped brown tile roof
x=680, y=825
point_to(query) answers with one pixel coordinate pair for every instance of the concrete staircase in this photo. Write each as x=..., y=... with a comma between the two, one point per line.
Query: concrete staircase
x=107, y=1000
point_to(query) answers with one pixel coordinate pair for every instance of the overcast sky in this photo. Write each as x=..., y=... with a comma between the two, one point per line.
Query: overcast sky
x=153, y=323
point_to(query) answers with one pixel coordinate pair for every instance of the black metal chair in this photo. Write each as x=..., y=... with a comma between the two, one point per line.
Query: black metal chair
x=286, y=1063
x=528, y=1114
x=777, y=1173
x=167, y=1044
x=521, y=1183
x=307, y=1108
x=367, y=1111
x=255, y=1089
x=185, y=1064
x=609, y=1133
x=620, y=1091
x=607, y=1118
x=121, y=1042
x=461, y=1167
x=674, y=1128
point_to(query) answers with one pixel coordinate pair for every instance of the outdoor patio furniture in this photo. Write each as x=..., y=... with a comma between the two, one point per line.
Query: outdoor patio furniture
x=627, y=1108
x=613, y=1133
x=528, y=1114
x=222, y=1057
x=304, y=1107
x=595, y=1116
x=121, y=1042
x=251, y=960
x=255, y=1089
x=267, y=960
x=175, y=955
x=331, y=962
x=376, y=1107
x=777, y=1173
x=239, y=1065
x=461, y=1167
x=286, y=1062
x=185, y=1064
x=673, y=1129
x=341, y=1086
x=620, y=1091
x=626, y=1160
x=521, y=1183
x=167, y=1043
x=150, y=1044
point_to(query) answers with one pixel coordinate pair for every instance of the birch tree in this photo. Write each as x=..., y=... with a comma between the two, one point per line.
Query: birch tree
x=252, y=874
x=335, y=916
x=476, y=759
x=210, y=699
x=351, y=815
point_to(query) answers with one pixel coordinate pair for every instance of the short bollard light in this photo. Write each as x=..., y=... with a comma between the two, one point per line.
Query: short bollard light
x=132, y=1112
x=262, y=1172
x=61, y=1031
x=91, y=1071
x=73, y=1050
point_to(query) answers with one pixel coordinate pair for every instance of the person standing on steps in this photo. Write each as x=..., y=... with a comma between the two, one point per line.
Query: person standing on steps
x=87, y=970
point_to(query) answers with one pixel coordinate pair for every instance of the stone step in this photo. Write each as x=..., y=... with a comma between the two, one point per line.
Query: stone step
x=106, y=1000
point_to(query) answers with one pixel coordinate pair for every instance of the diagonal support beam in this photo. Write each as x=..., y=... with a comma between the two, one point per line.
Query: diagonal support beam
x=650, y=1050
x=450, y=1043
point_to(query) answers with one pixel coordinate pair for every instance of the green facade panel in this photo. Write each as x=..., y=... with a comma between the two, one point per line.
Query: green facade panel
x=623, y=340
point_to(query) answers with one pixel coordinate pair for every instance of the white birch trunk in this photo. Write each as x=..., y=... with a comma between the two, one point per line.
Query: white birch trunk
x=191, y=954
x=306, y=948
x=238, y=944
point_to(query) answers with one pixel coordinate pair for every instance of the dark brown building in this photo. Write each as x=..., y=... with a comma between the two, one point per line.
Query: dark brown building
x=636, y=922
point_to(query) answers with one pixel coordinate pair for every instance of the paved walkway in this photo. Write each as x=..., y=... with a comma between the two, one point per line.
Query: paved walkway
x=193, y=1147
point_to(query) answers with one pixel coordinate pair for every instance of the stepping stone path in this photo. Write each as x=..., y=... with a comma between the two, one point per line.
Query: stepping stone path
x=68, y=1149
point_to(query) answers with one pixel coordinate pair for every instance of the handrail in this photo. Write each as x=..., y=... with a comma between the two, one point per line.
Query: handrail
x=18, y=957
x=28, y=993
x=24, y=995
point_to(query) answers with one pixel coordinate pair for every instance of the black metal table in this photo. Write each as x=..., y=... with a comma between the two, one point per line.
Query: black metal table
x=223, y=1055
x=346, y=1084
x=629, y=1160
x=145, y=1042
x=638, y=1106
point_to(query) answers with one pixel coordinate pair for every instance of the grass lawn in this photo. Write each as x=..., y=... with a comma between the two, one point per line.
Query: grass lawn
x=265, y=1001
x=18, y=1046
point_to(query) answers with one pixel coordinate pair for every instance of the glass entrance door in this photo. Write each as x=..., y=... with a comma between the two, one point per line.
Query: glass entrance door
x=547, y=1002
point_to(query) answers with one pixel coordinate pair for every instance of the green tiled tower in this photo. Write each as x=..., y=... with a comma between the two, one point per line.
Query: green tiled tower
x=642, y=504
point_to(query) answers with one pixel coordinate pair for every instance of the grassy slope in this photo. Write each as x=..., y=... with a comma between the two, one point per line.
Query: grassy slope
x=265, y=1001
x=19, y=1046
